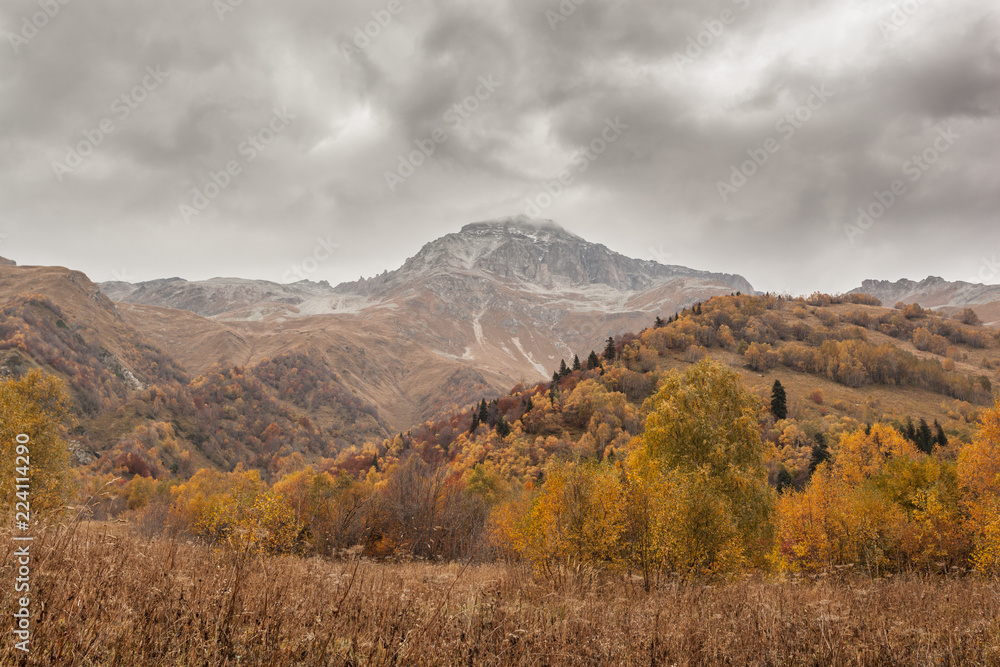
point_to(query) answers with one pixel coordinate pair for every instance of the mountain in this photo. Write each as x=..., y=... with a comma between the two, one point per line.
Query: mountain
x=237, y=370
x=215, y=297
x=940, y=295
x=540, y=257
x=473, y=312
x=537, y=258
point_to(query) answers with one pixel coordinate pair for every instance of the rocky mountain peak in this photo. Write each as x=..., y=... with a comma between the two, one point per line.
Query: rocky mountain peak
x=532, y=254
x=484, y=266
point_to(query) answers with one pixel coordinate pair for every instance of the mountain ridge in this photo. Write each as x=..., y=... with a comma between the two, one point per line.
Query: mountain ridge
x=534, y=255
x=471, y=313
x=937, y=293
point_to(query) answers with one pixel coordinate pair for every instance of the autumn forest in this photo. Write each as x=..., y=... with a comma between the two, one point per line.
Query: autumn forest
x=743, y=446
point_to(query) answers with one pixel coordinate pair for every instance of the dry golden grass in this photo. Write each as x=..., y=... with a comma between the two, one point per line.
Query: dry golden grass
x=108, y=597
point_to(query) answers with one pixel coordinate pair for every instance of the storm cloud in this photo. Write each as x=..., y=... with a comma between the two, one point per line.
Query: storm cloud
x=805, y=145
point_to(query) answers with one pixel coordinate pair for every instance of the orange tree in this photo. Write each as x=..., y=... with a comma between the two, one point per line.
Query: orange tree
x=880, y=504
x=979, y=475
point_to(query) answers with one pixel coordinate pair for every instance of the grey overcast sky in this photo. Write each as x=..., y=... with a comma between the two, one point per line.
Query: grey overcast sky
x=113, y=112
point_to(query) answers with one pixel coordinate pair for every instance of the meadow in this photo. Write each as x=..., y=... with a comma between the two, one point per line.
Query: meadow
x=104, y=594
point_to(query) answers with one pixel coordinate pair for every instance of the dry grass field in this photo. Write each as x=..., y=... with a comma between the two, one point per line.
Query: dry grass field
x=106, y=596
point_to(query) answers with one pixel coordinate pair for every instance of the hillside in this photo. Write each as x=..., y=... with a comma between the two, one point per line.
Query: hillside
x=893, y=399
x=58, y=319
x=178, y=375
x=894, y=394
x=141, y=411
x=844, y=362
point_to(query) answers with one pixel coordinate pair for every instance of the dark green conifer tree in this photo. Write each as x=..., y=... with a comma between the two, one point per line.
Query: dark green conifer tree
x=925, y=438
x=940, y=439
x=784, y=480
x=779, y=401
x=610, y=350
x=593, y=361
x=820, y=453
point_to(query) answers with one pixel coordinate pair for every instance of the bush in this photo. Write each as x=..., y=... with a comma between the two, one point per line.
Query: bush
x=968, y=316
x=760, y=357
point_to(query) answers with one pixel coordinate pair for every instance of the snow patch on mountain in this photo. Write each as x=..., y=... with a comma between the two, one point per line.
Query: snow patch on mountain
x=527, y=355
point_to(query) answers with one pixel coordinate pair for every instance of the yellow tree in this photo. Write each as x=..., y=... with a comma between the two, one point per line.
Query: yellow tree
x=703, y=452
x=332, y=510
x=236, y=509
x=33, y=411
x=831, y=522
x=926, y=490
x=697, y=526
x=862, y=454
x=811, y=525
x=575, y=518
